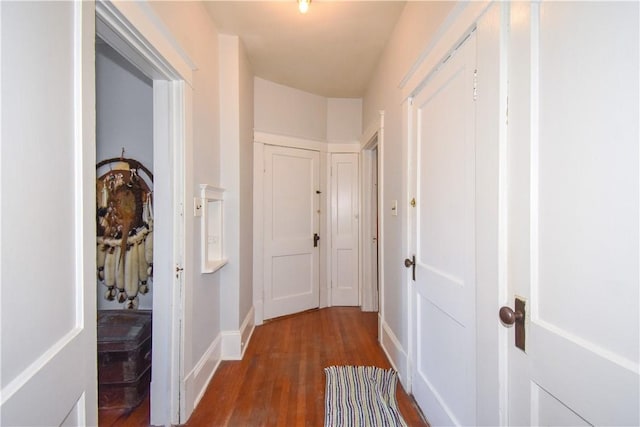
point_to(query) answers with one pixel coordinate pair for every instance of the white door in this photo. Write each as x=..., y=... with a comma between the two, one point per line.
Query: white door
x=573, y=213
x=291, y=219
x=48, y=304
x=344, y=229
x=443, y=232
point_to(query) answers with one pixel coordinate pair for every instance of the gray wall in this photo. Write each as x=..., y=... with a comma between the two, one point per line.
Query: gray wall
x=124, y=118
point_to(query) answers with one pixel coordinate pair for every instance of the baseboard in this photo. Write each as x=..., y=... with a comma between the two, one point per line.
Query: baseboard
x=198, y=379
x=258, y=318
x=234, y=343
x=246, y=331
x=395, y=353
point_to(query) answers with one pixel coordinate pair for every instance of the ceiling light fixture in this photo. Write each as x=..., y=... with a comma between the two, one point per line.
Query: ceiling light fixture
x=303, y=5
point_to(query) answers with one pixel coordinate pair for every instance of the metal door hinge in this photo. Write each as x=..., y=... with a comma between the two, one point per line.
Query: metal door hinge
x=475, y=84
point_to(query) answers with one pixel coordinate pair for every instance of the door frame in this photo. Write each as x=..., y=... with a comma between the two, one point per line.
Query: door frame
x=372, y=139
x=490, y=21
x=132, y=29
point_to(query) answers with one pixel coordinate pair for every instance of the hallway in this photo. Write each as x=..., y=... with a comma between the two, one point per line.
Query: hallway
x=280, y=380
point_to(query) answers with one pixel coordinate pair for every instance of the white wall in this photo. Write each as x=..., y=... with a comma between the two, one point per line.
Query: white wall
x=236, y=135
x=416, y=26
x=283, y=110
x=344, y=120
x=189, y=24
x=245, y=167
x=124, y=118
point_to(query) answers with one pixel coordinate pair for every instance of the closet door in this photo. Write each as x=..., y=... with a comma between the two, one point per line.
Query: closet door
x=344, y=229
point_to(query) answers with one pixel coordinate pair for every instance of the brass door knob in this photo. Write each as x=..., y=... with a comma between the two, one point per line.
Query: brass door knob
x=509, y=317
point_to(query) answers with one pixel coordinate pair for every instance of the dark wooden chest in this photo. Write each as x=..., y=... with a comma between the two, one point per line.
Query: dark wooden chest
x=124, y=357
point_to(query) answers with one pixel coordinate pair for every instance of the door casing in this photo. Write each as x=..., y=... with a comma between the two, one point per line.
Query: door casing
x=130, y=29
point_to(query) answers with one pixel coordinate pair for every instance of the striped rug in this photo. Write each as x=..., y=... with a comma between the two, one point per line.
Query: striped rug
x=361, y=396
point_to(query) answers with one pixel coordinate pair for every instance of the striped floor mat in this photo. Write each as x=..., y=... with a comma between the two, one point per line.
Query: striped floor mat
x=361, y=396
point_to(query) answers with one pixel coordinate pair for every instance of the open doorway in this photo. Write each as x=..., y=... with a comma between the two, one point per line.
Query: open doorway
x=128, y=30
x=370, y=242
x=124, y=171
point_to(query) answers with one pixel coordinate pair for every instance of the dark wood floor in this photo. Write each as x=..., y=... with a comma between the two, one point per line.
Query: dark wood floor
x=280, y=381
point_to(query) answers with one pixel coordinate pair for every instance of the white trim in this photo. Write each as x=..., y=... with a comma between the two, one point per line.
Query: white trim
x=343, y=147
x=395, y=353
x=460, y=22
x=381, y=201
x=209, y=193
x=258, y=232
x=197, y=381
x=305, y=144
x=143, y=39
x=326, y=291
x=366, y=140
x=369, y=141
x=234, y=343
x=134, y=30
x=231, y=343
x=246, y=330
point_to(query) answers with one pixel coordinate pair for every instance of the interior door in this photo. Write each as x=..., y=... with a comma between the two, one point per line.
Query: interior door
x=291, y=264
x=344, y=229
x=48, y=261
x=573, y=233
x=443, y=233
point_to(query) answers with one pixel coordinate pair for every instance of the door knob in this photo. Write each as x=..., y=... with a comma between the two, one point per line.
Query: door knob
x=509, y=316
x=411, y=263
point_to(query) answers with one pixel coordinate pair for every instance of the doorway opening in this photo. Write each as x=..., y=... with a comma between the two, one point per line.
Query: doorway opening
x=370, y=242
x=148, y=52
x=124, y=159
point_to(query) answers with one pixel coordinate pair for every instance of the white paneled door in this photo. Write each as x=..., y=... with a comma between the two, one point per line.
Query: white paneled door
x=344, y=229
x=573, y=209
x=48, y=318
x=443, y=232
x=291, y=222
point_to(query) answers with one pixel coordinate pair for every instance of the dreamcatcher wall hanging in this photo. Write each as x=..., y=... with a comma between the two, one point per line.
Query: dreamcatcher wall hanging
x=125, y=230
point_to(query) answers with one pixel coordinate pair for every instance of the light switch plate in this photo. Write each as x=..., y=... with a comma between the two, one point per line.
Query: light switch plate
x=394, y=207
x=197, y=206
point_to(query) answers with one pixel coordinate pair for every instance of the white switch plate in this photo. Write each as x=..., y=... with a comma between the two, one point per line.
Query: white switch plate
x=394, y=207
x=197, y=206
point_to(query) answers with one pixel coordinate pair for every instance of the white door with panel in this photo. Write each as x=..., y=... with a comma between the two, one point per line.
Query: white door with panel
x=573, y=208
x=442, y=226
x=49, y=366
x=291, y=230
x=344, y=229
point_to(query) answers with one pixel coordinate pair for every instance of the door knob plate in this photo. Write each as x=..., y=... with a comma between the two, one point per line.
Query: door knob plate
x=411, y=263
x=515, y=317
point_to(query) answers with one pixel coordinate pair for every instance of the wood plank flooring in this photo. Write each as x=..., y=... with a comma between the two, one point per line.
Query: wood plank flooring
x=280, y=381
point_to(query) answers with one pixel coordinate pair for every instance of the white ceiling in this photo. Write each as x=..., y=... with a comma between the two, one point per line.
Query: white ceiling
x=331, y=51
